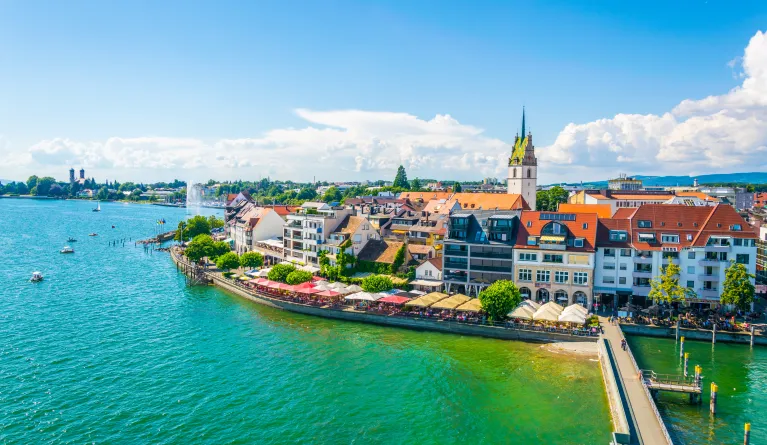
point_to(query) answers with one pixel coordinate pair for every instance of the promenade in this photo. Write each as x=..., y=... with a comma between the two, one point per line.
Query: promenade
x=642, y=409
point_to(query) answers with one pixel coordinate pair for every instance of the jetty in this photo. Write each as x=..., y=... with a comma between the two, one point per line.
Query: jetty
x=161, y=238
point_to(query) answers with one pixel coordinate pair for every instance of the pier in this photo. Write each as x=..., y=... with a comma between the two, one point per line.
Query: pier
x=671, y=383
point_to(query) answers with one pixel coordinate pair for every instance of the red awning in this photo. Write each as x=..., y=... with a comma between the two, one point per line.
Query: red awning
x=306, y=285
x=328, y=293
x=393, y=299
x=307, y=291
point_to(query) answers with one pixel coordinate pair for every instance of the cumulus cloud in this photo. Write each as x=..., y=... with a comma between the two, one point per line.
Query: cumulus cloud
x=706, y=135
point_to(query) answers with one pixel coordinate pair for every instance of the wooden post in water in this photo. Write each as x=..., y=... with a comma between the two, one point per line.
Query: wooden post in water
x=752, y=342
x=686, y=357
x=713, y=335
x=696, y=398
x=677, y=330
x=747, y=434
x=681, y=347
x=714, y=390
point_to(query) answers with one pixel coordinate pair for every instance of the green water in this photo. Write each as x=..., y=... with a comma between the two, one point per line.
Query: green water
x=113, y=348
x=740, y=373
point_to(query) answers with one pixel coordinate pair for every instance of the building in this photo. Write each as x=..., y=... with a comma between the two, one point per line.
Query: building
x=761, y=257
x=252, y=224
x=491, y=201
x=71, y=175
x=382, y=251
x=760, y=199
x=701, y=240
x=602, y=210
x=554, y=256
x=304, y=234
x=479, y=249
x=428, y=276
x=623, y=182
x=614, y=268
x=523, y=168
x=354, y=232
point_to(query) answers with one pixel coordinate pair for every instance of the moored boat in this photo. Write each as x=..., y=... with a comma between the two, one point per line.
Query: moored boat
x=67, y=249
x=36, y=276
x=71, y=240
x=93, y=234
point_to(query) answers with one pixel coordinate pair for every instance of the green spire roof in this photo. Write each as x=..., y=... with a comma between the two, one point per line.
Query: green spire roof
x=523, y=123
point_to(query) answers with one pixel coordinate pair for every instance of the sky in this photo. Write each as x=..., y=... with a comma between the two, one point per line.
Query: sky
x=348, y=90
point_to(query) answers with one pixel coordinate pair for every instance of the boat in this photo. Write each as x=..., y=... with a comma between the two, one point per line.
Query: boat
x=98, y=207
x=36, y=276
x=67, y=249
x=93, y=234
x=71, y=240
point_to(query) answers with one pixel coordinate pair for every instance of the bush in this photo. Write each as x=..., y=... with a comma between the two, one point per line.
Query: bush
x=251, y=260
x=376, y=283
x=499, y=299
x=399, y=259
x=280, y=272
x=227, y=261
x=298, y=277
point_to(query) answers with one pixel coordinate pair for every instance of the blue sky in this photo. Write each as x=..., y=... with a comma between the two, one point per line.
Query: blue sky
x=157, y=91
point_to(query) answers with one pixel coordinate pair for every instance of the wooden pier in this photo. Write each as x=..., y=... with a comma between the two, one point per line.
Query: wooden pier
x=673, y=383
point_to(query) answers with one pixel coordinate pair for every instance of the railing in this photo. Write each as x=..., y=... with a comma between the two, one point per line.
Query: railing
x=647, y=391
x=668, y=381
x=449, y=252
x=504, y=256
x=452, y=265
x=506, y=269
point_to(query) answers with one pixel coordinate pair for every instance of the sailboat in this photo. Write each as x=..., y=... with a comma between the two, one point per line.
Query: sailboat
x=98, y=207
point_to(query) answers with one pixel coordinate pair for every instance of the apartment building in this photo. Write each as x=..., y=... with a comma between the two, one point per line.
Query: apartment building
x=614, y=269
x=554, y=256
x=355, y=230
x=479, y=249
x=304, y=233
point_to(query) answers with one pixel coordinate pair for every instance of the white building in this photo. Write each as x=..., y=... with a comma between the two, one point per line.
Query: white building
x=304, y=234
x=523, y=168
x=353, y=230
x=253, y=224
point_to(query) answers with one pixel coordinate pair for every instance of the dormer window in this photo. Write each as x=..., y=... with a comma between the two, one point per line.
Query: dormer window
x=667, y=238
x=735, y=227
x=578, y=242
x=585, y=225
x=679, y=224
x=689, y=237
x=618, y=235
x=644, y=224
x=529, y=224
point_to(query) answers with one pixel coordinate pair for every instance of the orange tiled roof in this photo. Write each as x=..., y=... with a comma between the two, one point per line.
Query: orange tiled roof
x=624, y=213
x=380, y=251
x=699, y=195
x=642, y=197
x=602, y=210
x=425, y=196
x=531, y=224
x=490, y=201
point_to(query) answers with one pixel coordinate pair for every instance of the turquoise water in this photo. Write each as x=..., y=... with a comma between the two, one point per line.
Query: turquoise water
x=739, y=371
x=113, y=348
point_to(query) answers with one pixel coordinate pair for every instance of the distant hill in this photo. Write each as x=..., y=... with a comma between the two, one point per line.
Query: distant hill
x=5, y=181
x=748, y=177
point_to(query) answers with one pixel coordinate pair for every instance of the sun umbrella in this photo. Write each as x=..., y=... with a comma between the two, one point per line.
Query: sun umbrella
x=328, y=293
x=575, y=308
x=337, y=285
x=555, y=307
x=365, y=296
x=523, y=312
x=307, y=291
x=306, y=285
x=321, y=283
x=394, y=299
x=353, y=288
x=546, y=314
x=573, y=317
x=322, y=287
x=532, y=304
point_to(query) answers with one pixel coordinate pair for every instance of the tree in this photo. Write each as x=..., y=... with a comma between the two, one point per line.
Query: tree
x=201, y=246
x=22, y=188
x=228, y=261
x=415, y=185
x=457, y=187
x=55, y=190
x=549, y=200
x=737, y=288
x=750, y=188
x=399, y=259
x=376, y=283
x=44, y=185
x=219, y=248
x=251, y=260
x=499, y=299
x=400, y=180
x=298, y=277
x=280, y=272
x=32, y=182
x=215, y=223
x=666, y=287
x=332, y=195
x=103, y=193
x=196, y=225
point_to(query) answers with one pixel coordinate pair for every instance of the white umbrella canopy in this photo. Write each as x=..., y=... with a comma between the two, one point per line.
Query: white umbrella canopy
x=321, y=283
x=573, y=317
x=546, y=314
x=337, y=285
x=322, y=287
x=366, y=296
x=353, y=288
x=531, y=304
x=263, y=273
x=523, y=312
x=576, y=308
x=553, y=306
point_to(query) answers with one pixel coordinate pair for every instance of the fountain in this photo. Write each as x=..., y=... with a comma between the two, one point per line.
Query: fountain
x=194, y=194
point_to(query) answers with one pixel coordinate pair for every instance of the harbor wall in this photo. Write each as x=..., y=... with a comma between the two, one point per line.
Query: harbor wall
x=692, y=334
x=617, y=411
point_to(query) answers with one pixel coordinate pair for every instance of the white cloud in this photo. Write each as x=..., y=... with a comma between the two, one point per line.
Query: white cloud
x=728, y=131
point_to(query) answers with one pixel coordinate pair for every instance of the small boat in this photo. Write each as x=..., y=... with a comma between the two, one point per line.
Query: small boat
x=36, y=276
x=71, y=240
x=93, y=234
x=98, y=207
x=67, y=249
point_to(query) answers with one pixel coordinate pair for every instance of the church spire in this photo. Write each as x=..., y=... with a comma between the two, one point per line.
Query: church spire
x=523, y=122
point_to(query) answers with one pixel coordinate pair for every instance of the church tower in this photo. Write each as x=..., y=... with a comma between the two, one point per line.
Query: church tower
x=523, y=167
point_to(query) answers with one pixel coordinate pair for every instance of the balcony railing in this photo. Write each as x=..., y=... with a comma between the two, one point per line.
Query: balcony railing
x=709, y=277
x=450, y=252
x=455, y=265
x=501, y=255
x=456, y=277
x=491, y=268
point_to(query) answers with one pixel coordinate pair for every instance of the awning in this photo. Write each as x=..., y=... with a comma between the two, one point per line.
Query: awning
x=394, y=299
x=364, y=296
x=451, y=302
x=523, y=312
x=429, y=283
x=553, y=239
x=427, y=300
x=472, y=305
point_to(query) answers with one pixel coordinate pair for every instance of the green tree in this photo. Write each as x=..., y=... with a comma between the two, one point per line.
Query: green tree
x=251, y=260
x=196, y=225
x=666, y=287
x=280, y=272
x=377, y=283
x=215, y=223
x=103, y=193
x=55, y=190
x=201, y=246
x=44, y=185
x=399, y=259
x=219, y=248
x=22, y=188
x=400, y=180
x=32, y=182
x=228, y=261
x=415, y=185
x=298, y=277
x=549, y=200
x=737, y=288
x=323, y=258
x=499, y=299
x=332, y=195
x=457, y=187
x=750, y=188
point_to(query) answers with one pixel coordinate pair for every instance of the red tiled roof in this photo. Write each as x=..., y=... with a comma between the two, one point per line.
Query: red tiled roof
x=624, y=213
x=436, y=262
x=643, y=197
x=576, y=228
x=490, y=201
x=602, y=210
x=603, y=232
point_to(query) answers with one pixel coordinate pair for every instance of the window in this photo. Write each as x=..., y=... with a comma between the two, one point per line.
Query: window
x=626, y=252
x=689, y=237
x=585, y=226
x=578, y=242
x=551, y=258
x=621, y=280
x=647, y=237
x=528, y=172
x=737, y=242
x=529, y=224
x=735, y=227
x=691, y=255
x=609, y=266
x=557, y=216
x=532, y=241
x=666, y=238
x=528, y=257
x=427, y=273
x=690, y=270
x=609, y=252
x=722, y=256
x=690, y=283
x=525, y=275
x=578, y=259
x=543, y=276
x=608, y=280
x=618, y=235
x=644, y=224
x=561, y=277
x=581, y=278
x=741, y=258
x=515, y=172
x=624, y=266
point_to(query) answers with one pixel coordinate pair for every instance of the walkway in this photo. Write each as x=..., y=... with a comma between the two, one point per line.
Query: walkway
x=650, y=429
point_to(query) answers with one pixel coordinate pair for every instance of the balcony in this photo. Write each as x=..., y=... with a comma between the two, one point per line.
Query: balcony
x=717, y=248
x=456, y=277
x=460, y=253
x=483, y=268
x=312, y=242
x=455, y=265
x=712, y=293
x=500, y=255
x=707, y=277
x=643, y=259
x=708, y=262
x=641, y=291
x=642, y=274
x=293, y=224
